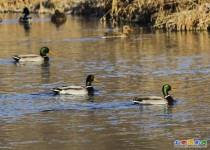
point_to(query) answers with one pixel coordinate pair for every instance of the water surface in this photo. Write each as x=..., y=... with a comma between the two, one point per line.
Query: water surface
x=32, y=118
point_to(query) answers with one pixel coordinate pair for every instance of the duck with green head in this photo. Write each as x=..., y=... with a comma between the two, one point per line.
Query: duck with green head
x=77, y=90
x=33, y=57
x=154, y=100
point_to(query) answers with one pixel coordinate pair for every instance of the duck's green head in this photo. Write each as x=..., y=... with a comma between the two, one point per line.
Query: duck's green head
x=90, y=79
x=44, y=51
x=165, y=89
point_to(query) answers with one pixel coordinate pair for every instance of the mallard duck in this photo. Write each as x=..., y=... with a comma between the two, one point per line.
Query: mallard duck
x=116, y=34
x=58, y=17
x=25, y=18
x=33, y=57
x=155, y=100
x=77, y=90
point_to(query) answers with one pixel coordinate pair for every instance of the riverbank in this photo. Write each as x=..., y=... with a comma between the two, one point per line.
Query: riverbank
x=37, y=6
x=170, y=15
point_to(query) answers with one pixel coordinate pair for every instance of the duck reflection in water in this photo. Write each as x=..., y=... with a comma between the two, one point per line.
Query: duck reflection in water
x=167, y=110
x=26, y=28
x=45, y=72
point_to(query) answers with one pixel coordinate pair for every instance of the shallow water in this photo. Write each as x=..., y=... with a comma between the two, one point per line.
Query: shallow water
x=31, y=117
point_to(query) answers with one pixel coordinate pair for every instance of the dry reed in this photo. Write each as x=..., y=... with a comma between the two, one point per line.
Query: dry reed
x=171, y=15
x=36, y=6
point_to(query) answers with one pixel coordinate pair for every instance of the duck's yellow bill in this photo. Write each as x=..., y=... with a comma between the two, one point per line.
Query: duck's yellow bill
x=95, y=80
x=173, y=89
x=51, y=53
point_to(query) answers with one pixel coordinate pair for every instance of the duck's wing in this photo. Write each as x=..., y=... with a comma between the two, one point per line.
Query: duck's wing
x=28, y=57
x=108, y=35
x=150, y=100
x=70, y=87
x=113, y=34
x=72, y=90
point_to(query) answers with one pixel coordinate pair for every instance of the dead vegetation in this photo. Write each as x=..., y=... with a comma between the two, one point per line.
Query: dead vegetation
x=171, y=15
x=36, y=6
x=186, y=16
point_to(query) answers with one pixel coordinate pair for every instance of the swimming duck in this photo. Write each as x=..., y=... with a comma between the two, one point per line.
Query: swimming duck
x=33, y=57
x=116, y=34
x=58, y=17
x=77, y=90
x=25, y=18
x=155, y=100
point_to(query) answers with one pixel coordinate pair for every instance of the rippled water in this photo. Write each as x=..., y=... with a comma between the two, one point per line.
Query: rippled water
x=32, y=118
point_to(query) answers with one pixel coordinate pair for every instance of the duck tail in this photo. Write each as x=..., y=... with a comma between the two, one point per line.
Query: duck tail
x=56, y=91
x=16, y=58
x=136, y=100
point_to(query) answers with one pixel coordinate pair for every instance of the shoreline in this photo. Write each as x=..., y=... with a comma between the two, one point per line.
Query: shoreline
x=38, y=6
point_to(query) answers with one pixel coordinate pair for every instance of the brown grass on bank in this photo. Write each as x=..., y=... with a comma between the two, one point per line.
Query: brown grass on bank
x=36, y=6
x=188, y=16
x=176, y=15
